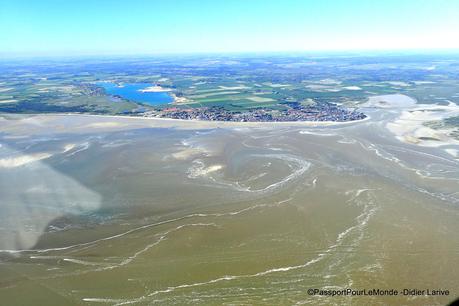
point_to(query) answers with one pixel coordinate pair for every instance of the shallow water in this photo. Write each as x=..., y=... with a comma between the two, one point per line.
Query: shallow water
x=224, y=216
x=132, y=92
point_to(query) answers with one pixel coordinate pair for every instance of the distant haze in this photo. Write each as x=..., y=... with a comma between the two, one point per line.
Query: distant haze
x=88, y=27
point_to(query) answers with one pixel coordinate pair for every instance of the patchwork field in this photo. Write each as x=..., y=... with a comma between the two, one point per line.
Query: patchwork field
x=235, y=83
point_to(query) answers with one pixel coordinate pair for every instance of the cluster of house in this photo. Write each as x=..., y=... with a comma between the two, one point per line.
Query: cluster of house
x=325, y=112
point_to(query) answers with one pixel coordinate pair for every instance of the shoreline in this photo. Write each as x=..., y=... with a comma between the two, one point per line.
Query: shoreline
x=208, y=122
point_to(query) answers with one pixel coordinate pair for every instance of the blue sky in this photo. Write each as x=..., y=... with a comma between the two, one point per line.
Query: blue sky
x=66, y=27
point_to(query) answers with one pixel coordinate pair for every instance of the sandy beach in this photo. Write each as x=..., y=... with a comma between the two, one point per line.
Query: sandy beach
x=86, y=122
x=409, y=125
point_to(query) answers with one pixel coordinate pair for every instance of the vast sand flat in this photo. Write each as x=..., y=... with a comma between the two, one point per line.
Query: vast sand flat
x=410, y=126
x=225, y=216
x=85, y=123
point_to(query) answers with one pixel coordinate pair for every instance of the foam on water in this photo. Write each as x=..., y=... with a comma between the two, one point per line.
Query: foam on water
x=361, y=222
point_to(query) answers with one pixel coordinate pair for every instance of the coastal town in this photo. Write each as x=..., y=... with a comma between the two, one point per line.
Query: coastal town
x=295, y=112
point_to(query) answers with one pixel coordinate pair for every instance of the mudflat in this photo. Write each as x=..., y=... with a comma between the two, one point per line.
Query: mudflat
x=127, y=211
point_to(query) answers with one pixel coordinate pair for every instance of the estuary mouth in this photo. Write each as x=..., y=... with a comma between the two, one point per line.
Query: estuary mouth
x=218, y=176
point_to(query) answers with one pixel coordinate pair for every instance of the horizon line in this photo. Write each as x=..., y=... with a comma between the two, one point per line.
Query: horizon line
x=406, y=51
